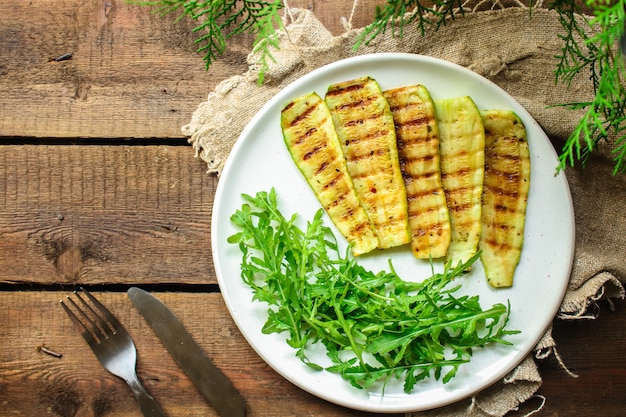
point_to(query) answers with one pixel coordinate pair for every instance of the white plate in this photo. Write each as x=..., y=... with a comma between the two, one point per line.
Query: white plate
x=260, y=161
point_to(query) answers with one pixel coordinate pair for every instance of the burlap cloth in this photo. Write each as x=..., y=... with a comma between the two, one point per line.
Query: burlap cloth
x=516, y=51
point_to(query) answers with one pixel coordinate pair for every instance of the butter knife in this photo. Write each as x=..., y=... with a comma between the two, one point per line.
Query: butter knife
x=209, y=380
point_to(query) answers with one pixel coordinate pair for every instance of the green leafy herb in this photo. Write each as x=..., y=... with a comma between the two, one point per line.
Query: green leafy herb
x=220, y=20
x=396, y=14
x=596, y=55
x=604, y=115
x=374, y=326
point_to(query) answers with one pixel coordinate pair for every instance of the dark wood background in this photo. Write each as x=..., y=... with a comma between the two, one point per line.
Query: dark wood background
x=99, y=188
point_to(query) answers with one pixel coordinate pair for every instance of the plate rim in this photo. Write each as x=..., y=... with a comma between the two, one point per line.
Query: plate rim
x=280, y=96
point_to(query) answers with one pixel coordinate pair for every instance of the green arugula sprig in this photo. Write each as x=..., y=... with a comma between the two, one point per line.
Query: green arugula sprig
x=374, y=326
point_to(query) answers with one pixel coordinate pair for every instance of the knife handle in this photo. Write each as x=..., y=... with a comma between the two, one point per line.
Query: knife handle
x=147, y=404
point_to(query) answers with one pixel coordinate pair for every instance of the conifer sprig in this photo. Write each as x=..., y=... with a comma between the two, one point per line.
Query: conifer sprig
x=397, y=14
x=594, y=53
x=589, y=47
x=220, y=20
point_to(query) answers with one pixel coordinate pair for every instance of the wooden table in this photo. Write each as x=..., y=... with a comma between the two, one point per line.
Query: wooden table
x=98, y=188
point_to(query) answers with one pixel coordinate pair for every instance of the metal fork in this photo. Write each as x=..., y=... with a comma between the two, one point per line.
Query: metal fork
x=112, y=345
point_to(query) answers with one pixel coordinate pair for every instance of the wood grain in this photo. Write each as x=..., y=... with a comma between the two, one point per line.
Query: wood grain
x=593, y=351
x=77, y=385
x=98, y=187
x=126, y=78
x=104, y=214
x=133, y=73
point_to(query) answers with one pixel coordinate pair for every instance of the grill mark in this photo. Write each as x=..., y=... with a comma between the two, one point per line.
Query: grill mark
x=507, y=176
x=467, y=227
x=332, y=183
x=421, y=159
x=501, y=156
x=422, y=120
x=352, y=123
x=460, y=207
x=391, y=223
x=321, y=168
x=455, y=155
x=504, y=210
x=505, y=227
x=347, y=214
x=289, y=106
x=463, y=172
x=396, y=102
x=364, y=102
x=371, y=136
x=456, y=191
x=304, y=114
x=432, y=230
x=338, y=90
x=411, y=197
x=410, y=178
x=501, y=191
x=338, y=200
x=369, y=155
x=501, y=245
x=421, y=211
x=313, y=152
x=408, y=142
x=358, y=228
x=305, y=136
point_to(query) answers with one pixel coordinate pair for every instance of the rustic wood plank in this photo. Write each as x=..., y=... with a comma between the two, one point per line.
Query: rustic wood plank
x=593, y=350
x=133, y=74
x=33, y=383
x=105, y=214
x=108, y=214
x=334, y=14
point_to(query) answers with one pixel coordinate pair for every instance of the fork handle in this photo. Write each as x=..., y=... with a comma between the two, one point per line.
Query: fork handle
x=147, y=404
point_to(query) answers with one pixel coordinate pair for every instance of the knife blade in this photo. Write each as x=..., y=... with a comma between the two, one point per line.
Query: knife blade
x=209, y=379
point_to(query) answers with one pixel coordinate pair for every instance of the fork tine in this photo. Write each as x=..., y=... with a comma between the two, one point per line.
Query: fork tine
x=103, y=327
x=112, y=345
x=85, y=332
x=110, y=318
x=100, y=332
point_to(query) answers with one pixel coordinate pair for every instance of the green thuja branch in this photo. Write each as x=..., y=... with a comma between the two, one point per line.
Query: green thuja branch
x=594, y=53
x=589, y=49
x=397, y=14
x=220, y=20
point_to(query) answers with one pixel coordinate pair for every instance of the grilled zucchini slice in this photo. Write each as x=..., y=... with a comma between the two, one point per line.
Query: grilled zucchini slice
x=310, y=136
x=462, y=151
x=367, y=135
x=417, y=138
x=505, y=194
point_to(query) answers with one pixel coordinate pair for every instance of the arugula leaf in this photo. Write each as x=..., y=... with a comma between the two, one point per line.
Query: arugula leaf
x=374, y=326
